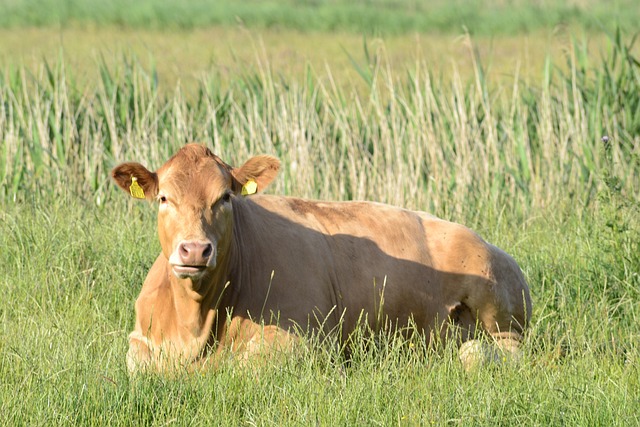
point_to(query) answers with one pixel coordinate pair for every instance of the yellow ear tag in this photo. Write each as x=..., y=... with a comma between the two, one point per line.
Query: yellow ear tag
x=135, y=189
x=250, y=187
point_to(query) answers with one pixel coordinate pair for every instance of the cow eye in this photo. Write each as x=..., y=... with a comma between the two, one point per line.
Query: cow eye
x=162, y=199
x=222, y=200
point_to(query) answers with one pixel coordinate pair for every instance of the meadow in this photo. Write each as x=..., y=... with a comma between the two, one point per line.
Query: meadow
x=546, y=167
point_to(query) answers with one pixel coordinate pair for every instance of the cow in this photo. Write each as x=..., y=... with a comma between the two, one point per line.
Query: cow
x=249, y=273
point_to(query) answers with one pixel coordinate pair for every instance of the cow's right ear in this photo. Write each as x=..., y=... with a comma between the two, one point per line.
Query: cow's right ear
x=136, y=180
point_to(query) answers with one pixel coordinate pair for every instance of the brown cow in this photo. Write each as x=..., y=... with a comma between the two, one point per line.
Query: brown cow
x=246, y=272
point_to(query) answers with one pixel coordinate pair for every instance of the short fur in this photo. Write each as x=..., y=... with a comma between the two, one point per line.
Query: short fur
x=301, y=265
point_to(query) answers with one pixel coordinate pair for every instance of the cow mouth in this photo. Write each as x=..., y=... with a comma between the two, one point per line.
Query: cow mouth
x=188, y=271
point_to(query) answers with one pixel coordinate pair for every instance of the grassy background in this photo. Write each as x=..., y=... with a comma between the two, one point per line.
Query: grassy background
x=520, y=160
x=373, y=16
x=186, y=41
x=185, y=57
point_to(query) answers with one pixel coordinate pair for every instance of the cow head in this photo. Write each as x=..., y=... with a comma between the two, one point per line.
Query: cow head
x=195, y=190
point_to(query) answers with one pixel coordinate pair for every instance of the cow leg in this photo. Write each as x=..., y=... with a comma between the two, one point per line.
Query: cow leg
x=500, y=319
x=480, y=335
x=503, y=347
x=144, y=357
x=508, y=343
x=139, y=355
x=267, y=342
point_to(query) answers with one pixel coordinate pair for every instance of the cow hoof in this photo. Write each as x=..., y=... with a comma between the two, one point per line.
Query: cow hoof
x=474, y=354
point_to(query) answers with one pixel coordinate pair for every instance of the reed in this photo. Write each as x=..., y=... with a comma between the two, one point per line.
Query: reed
x=452, y=148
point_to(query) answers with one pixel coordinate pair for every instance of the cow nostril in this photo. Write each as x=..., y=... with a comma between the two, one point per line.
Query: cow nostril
x=194, y=253
x=208, y=249
x=184, y=250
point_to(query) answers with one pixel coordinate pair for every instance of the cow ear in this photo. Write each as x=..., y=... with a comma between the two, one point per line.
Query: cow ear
x=259, y=169
x=136, y=180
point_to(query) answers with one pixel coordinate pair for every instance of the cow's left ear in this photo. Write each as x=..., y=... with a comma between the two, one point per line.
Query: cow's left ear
x=260, y=169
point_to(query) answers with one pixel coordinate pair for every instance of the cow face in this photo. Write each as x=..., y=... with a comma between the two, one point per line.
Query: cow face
x=195, y=191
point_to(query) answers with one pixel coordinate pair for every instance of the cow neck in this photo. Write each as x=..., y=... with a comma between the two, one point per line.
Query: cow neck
x=197, y=306
x=243, y=245
x=242, y=250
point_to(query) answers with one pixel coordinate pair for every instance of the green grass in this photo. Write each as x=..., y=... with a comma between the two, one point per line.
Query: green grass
x=184, y=57
x=524, y=165
x=71, y=274
x=370, y=16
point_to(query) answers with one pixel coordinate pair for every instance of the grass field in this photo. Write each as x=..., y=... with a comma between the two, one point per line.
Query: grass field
x=185, y=42
x=186, y=57
x=521, y=161
x=384, y=17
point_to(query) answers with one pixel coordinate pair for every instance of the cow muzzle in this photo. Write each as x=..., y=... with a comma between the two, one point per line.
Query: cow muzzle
x=191, y=258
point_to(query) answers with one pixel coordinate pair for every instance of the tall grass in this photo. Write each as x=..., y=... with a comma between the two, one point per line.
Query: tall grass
x=451, y=148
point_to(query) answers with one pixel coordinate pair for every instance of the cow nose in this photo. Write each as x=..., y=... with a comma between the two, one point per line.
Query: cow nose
x=195, y=253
